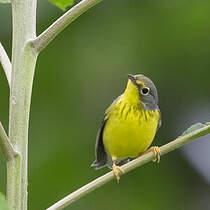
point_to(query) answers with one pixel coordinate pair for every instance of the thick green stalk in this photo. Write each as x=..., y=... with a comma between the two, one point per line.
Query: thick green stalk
x=23, y=65
x=24, y=54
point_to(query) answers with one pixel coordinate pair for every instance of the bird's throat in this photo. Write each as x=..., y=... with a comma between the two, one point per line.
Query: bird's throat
x=131, y=94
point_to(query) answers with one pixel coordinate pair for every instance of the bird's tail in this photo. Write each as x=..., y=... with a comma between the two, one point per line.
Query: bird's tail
x=99, y=164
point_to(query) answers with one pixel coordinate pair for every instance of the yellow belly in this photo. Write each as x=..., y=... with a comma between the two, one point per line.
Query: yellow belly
x=129, y=131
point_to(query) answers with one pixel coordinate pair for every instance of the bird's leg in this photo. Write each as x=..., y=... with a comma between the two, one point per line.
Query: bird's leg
x=117, y=171
x=156, y=151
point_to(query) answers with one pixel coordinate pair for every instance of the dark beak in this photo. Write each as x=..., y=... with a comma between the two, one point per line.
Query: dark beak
x=132, y=78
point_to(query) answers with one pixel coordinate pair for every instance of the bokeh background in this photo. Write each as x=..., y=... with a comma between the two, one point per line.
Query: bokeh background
x=81, y=72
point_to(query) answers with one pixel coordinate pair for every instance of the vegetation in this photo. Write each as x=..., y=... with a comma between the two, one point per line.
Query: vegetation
x=26, y=47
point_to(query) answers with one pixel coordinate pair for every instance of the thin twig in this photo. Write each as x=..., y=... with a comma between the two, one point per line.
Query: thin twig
x=6, y=64
x=52, y=31
x=6, y=147
x=180, y=141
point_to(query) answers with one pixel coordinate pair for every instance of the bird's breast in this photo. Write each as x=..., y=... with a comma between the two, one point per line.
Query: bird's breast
x=129, y=130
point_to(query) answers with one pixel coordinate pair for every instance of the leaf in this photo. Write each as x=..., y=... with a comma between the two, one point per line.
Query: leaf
x=62, y=4
x=3, y=202
x=5, y=1
x=195, y=127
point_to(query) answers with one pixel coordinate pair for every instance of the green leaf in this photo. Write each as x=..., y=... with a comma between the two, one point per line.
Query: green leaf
x=195, y=127
x=5, y=1
x=3, y=202
x=62, y=4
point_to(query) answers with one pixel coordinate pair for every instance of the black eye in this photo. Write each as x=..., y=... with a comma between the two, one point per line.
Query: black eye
x=145, y=91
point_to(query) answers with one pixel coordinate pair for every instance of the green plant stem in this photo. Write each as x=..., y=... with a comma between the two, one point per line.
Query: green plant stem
x=25, y=49
x=6, y=64
x=50, y=33
x=23, y=65
x=6, y=147
x=180, y=141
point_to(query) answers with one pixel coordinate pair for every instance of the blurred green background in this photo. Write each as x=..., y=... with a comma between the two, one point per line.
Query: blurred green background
x=84, y=69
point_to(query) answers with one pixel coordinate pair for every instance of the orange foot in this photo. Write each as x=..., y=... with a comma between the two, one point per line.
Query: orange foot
x=117, y=171
x=156, y=151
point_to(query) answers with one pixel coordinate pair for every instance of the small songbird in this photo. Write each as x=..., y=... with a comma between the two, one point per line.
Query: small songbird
x=129, y=125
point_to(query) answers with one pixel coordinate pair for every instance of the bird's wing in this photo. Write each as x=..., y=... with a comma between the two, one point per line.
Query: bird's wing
x=101, y=156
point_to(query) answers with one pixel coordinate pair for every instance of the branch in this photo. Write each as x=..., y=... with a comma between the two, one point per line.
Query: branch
x=52, y=31
x=6, y=64
x=6, y=147
x=180, y=141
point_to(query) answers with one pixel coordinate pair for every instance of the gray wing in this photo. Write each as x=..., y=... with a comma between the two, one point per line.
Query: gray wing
x=102, y=159
x=101, y=156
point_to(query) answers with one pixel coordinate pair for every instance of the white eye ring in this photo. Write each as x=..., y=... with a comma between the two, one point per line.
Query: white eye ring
x=145, y=91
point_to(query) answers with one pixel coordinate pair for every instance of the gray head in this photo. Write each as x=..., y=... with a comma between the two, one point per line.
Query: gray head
x=147, y=91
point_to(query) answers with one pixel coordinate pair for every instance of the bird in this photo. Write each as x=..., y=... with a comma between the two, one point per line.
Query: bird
x=129, y=126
